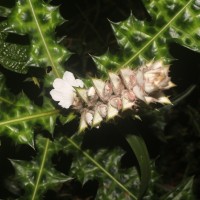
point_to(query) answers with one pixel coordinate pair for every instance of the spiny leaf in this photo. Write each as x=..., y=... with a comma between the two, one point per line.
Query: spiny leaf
x=140, y=150
x=23, y=116
x=142, y=41
x=39, y=20
x=103, y=166
x=12, y=56
x=38, y=175
x=183, y=191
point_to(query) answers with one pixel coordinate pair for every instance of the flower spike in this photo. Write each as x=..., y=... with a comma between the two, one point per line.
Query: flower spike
x=107, y=99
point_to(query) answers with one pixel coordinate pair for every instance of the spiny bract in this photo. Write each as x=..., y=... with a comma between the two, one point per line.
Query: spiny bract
x=106, y=99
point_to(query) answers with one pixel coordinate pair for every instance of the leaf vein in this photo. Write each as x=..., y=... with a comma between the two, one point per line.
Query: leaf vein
x=156, y=35
x=28, y=118
x=43, y=40
x=101, y=168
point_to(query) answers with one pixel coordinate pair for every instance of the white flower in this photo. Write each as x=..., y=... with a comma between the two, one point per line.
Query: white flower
x=69, y=78
x=64, y=91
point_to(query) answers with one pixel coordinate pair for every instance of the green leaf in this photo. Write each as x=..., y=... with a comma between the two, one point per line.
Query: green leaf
x=104, y=166
x=142, y=41
x=13, y=56
x=183, y=191
x=39, y=20
x=139, y=148
x=39, y=175
x=23, y=116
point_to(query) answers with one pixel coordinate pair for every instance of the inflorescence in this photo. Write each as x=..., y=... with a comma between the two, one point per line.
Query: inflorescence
x=106, y=99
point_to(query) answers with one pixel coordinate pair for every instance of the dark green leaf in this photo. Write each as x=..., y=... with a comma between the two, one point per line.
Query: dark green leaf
x=39, y=20
x=19, y=116
x=104, y=166
x=142, y=41
x=183, y=191
x=39, y=175
x=13, y=56
x=139, y=148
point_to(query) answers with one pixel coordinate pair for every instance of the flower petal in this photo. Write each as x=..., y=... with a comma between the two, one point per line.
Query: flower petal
x=79, y=83
x=66, y=103
x=56, y=95
x=69, y=78
x=65, y=100
x=61, y=85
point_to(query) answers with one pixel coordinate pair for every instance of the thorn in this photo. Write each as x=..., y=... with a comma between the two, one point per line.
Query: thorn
x=112, y=112
x=99, y=86
x=97, y=118
x=83, y=94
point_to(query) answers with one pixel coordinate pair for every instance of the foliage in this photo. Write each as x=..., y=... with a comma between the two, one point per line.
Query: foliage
x=142, y=41
x=183, y=191
x=21, y=119
x=103, y=166
x=12, y=56
x=39, y=174
x=39, y=21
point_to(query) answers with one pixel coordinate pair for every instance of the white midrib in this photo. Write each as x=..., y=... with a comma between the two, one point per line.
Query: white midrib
x=155, y=36
x=43, y=40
